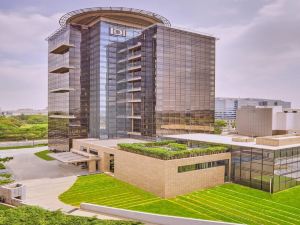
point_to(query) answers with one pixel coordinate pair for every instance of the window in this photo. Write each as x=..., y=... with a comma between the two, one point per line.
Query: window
x=82, y=148
x=201, y=166
x=93, y=151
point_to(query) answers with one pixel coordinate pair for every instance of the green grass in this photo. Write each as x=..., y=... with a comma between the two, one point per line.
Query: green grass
x=228, y=202
x=44, y=155
x=5, y=175
x=4, y=207
x=23, y=146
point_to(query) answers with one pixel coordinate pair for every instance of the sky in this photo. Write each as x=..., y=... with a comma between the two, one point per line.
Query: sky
x=257, y=54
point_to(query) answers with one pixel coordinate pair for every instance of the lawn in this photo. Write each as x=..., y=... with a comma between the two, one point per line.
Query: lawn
x=44, y=155
x=228, y=202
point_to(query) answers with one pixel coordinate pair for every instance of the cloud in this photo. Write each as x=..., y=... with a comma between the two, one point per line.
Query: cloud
x=23, y=58
x=261, y=58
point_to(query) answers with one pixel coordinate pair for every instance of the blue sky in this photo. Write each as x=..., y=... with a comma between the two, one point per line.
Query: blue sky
x=258, y=54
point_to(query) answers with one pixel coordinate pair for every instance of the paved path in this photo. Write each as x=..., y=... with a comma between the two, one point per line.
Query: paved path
x=45, y=180
x=44, y=192
x=22, y=143
x=27, y=166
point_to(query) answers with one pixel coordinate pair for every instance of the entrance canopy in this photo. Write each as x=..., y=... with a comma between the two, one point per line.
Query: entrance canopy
x=70, y=157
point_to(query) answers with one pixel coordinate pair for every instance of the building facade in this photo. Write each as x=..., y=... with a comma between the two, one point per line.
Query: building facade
x=226, y=108
x=117, y=72
x=266, y=121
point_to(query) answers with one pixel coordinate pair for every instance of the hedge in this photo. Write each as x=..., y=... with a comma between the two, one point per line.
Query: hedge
x=157, y=151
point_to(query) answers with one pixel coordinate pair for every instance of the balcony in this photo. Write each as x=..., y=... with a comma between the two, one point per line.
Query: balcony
x=129, y=90
x=62, y=116
x=133, y=133
x=61, y=90
x=135, y=57
x=134, y=117
x=134, y=68
x=61, y=48
x=129, y=101
x=61, y=69
x=134, y=100
x=121, y=71
x=122, y=60
x=133, y=47
x=134, y=89
x=129, y=80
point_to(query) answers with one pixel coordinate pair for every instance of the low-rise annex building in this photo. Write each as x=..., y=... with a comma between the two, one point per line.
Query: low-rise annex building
x=188, y=162
x=163, y=177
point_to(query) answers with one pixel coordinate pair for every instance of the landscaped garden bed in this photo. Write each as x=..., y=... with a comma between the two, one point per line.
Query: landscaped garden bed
x=167, y=150
x=44, y=155
x=5, y=178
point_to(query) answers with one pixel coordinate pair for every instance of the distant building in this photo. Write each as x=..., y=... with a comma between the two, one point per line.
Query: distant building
x=257, y=121
x=19, y=112
x=225, y=108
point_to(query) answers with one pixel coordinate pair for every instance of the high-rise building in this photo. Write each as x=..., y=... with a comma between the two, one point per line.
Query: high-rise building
x=226, y=108
x=116, y=72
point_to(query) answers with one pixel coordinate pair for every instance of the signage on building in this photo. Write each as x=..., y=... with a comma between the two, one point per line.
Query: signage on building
x=117, y=32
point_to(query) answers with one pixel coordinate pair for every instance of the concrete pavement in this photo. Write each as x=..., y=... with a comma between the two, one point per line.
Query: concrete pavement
x=27, y=166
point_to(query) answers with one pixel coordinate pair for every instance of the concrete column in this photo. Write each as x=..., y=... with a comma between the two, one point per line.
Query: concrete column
x=92, y=166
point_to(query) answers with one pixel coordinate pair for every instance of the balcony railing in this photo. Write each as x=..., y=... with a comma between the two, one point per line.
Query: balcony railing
x=62, y=116
x=61, y=48
x=61, y=69
x=134, y=68
x=129, y=80
x=61, y=90
x=138, y=45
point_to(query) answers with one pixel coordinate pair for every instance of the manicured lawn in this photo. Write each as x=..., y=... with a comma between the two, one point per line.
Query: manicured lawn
x=44, y=155
x=20, y=147
x=228, y=202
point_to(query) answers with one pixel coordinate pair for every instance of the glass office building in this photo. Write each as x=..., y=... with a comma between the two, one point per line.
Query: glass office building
x=118, y=72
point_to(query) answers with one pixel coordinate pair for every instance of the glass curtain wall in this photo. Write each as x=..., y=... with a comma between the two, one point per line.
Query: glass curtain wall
x=103, y=108
x=268, y=170
x=65, y=118
x=185, y=81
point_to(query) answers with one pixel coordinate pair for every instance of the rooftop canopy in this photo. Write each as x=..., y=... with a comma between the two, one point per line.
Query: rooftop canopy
x=89, y=15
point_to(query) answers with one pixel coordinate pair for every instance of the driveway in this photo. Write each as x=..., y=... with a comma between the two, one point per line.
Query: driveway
x=45, y=180
x=27, y=166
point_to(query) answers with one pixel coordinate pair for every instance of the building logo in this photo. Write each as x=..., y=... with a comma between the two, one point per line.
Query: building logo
x=117, y=32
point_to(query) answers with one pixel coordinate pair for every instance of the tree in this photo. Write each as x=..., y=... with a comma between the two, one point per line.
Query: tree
x=219, y=125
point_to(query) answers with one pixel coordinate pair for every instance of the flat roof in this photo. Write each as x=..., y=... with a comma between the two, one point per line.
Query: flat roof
x=69, y=157
x=227, y=140
x=111, y=143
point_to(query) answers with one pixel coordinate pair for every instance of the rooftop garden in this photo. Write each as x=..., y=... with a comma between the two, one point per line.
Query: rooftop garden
x=168, y=150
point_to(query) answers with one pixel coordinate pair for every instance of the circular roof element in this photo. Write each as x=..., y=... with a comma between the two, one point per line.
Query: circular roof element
x=89, y=15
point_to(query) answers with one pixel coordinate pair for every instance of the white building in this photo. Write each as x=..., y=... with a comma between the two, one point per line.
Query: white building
x=257, y=121
x=225, y=108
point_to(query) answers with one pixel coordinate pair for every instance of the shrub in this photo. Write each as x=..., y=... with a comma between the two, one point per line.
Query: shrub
x=158, y=151
x=2, y=166
x=177, y=147
x=6, y=175
x=6, y=159
x=35, y=215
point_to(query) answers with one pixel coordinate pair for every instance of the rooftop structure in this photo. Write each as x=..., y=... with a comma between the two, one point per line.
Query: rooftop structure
x=268, y=142
x=226, y=108
x=259, y=121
